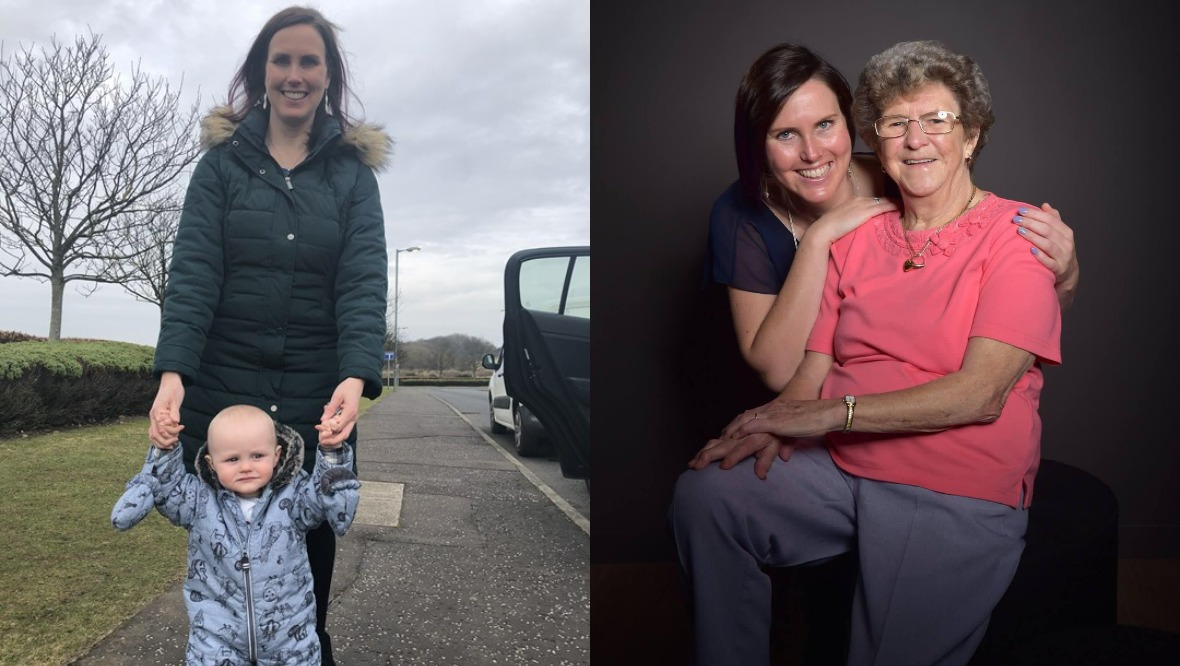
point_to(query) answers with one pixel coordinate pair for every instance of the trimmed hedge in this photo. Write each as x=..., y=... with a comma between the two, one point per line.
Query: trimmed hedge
x=46, y=385
x=75, y=382
x=445, y=381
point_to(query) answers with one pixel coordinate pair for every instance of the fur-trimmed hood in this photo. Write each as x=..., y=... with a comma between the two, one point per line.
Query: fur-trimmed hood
x=290, y=460
x=372, y=145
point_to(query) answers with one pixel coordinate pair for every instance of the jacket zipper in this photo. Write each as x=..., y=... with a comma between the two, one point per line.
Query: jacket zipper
x=251, y=638
x=252, y=632
x=244, y=565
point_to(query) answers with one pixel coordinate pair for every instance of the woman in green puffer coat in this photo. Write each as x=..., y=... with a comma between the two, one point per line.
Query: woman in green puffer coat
x=277, y=287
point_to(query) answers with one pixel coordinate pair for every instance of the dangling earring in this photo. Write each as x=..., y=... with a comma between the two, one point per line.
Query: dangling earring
x=264, y=101
x=327, y=104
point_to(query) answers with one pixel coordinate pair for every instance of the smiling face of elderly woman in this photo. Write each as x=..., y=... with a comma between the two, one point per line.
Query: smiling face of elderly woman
x=923, y=162
x=931, y=165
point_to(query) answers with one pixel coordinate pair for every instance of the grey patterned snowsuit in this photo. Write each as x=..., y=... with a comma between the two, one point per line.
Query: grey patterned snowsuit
x=249, y=587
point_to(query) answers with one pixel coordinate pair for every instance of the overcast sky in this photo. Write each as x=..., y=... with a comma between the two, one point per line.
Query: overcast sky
x=488, y=102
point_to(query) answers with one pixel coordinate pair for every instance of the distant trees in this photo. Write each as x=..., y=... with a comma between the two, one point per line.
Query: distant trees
x=442, y=353
x=455, y=352
x=469, y=351
x=90, y=167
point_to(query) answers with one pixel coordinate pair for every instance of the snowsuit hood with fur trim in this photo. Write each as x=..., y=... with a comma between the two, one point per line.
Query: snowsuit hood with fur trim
x=278, y=281
x=249, y=590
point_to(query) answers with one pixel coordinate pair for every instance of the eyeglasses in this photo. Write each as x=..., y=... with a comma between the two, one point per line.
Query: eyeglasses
x=935, y=122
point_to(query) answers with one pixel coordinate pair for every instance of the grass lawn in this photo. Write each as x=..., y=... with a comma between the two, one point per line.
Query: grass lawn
x=67, y=578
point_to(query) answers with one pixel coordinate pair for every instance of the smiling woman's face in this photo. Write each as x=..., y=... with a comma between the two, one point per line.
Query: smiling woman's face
x=296, y=75
x=923, y=164
x=808, y=147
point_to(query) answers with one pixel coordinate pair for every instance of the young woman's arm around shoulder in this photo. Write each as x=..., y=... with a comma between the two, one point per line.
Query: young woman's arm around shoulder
x=772, y=329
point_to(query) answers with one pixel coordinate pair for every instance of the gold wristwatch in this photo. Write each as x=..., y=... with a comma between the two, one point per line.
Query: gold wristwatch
x=850, y=403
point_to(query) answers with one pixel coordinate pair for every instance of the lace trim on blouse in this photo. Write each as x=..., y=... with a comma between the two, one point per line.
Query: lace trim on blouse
x=893, y=238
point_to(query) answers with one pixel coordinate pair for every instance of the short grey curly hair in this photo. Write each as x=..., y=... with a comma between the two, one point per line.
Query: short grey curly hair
x=908, y=66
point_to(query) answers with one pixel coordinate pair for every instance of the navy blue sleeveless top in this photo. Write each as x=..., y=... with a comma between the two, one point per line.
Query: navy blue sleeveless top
x=749, y=247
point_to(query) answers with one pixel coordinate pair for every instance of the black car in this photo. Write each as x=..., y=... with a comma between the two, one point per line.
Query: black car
x=546, y=355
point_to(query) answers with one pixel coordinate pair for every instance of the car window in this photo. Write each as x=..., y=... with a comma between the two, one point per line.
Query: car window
x=543, y=283
x=577, y=300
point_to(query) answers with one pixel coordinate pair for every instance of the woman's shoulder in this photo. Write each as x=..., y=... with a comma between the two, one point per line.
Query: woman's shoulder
x=995, y=208
x=371, y=145
x=731, y=199
x=992, y=218
x=218, y=127
x=733, y=208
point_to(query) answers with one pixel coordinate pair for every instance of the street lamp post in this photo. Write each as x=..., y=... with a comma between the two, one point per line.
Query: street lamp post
x=396, y=295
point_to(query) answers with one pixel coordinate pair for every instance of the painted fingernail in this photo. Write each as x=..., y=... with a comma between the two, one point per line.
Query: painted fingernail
x=1034, y=250
x=1018, y=219
x=1022, y=231
x=1022, y=211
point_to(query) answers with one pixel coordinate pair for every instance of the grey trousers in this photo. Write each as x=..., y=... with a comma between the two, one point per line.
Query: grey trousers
x=932, y=566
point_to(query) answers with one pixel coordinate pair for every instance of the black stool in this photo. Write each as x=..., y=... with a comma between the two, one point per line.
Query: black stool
x=1068, y=574
x=1116, y=645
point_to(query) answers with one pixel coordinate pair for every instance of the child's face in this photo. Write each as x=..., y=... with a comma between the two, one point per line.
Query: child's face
x=244, y=456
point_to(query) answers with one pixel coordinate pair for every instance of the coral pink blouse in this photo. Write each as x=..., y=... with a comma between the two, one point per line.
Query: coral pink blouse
x=889, y=330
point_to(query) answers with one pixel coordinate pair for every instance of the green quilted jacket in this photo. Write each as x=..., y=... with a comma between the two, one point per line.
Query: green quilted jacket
x=277, y=286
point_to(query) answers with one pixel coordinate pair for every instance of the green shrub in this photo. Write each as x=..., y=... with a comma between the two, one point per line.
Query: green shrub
x=72, y=382
x=445, y=381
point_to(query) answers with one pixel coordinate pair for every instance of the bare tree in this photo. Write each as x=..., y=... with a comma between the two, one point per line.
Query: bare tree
x=144, y=275
x=442, y=353
x=393, y=343
x=85, y=155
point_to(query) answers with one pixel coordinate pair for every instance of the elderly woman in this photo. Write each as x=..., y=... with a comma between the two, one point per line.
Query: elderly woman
x=922, y=375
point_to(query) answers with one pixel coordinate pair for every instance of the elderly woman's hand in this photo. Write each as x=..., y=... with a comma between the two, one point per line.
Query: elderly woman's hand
x=730, y=451
x=1053, y=245
x=789, y=418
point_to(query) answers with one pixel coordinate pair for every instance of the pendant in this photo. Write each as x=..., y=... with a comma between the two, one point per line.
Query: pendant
x=910, y=265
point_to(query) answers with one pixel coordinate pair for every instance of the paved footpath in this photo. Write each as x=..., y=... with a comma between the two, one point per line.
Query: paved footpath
x=455, y=558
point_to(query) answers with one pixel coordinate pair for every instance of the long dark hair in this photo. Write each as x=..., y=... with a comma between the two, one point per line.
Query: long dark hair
x=249, y=83
x=769, y=82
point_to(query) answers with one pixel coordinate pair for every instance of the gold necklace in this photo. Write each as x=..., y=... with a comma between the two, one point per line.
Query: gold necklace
x=915, y=261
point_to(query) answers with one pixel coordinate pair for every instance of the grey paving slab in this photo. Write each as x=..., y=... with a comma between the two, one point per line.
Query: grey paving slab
x=380, y=504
